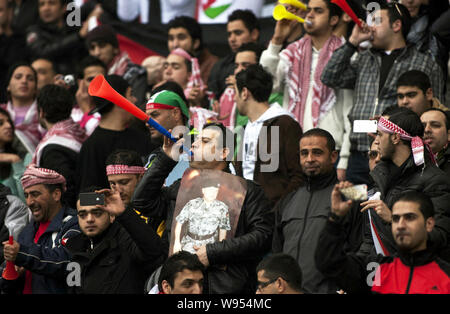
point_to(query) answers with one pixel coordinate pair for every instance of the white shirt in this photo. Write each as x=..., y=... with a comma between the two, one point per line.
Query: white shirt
x=251, y=135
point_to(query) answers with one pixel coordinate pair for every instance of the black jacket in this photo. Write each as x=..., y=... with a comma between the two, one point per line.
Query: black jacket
x=240, y=254
x=391, y=181
x=396, y=274
x=121, y=259
x=63, y=46
x=220, y=71
x=300, y=217
x=444, y=161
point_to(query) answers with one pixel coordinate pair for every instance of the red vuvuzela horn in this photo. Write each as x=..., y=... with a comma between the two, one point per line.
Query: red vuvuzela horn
x=99, y=87
x=346, y=8
x=10, y=273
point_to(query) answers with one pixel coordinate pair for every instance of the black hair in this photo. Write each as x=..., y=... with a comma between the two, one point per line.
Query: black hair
x=389, y=111
x=426, y=206
x=445, y=113
x=331, y=143
x=397, y=11
x=87, y=62
x=228, y=139
x=5, y=168
x=257, y=80
x=124, y=157
x=13, y=68
x=173, y=87
x=334, y=9
x=52, y=188
x=54, y=65
x=284, y=266
x=176, y=264
x=249, y=19
x=415, y=78
x=409, y=121
x=120, y=85
x=56, y=102
x=190, y=24
x=250, y=46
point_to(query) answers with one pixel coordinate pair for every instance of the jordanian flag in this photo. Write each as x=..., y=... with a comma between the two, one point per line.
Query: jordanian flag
x=217, y=11
x=213, y=8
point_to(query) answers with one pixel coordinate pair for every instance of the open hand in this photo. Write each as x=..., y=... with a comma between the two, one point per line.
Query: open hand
x=338, y=206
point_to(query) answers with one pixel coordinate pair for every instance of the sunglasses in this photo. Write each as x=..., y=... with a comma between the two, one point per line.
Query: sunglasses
x=262, y=285
x=372, y=154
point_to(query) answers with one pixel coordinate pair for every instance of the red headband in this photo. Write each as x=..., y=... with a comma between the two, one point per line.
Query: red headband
x=124, y=169
x=154, y=105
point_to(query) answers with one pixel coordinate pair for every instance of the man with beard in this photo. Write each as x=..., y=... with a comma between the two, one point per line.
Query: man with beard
x=406, y=165
x=302, y=214
x=39, y=249
x=414, y=269
x=436, y=123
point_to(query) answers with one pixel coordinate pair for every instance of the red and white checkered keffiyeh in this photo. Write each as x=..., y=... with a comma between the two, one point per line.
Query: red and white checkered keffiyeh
x=199, y=116
x=417, y=144
x=298, y=56
x=124, y=169
x=34, y=175
x=195, y=79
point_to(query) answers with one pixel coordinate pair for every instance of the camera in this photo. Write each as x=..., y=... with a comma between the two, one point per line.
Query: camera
x=69, y=79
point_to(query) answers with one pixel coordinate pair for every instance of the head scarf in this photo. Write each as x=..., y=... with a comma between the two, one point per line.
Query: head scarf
x=34, y=175
x=417, y=144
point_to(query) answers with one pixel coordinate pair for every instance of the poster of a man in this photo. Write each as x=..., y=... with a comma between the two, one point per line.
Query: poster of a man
x=207, y=220
x=207, y=209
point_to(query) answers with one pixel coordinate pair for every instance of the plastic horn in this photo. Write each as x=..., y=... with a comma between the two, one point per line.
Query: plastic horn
x=10, y=273
x=280, y=12
x=294, y=3
x=346, y=8
x=99, y=87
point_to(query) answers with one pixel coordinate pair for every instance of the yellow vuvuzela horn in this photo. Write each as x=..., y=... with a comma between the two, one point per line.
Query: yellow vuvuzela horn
x=294, y=3
x=280, y=12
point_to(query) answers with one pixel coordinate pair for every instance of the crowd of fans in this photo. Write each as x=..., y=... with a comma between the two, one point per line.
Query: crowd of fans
x=327, y=106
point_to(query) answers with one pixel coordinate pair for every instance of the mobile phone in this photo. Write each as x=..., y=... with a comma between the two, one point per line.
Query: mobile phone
x=365, y=126
x=356, y=192
x=92, y=199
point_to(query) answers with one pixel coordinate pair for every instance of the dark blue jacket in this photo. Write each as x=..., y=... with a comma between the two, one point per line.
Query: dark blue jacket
x=48, y=259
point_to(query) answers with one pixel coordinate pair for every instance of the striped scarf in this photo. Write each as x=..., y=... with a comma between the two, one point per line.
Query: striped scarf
x=29, y=132
x=66, y=133
x=298, y=56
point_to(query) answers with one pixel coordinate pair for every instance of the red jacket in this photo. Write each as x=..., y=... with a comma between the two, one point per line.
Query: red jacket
x=424, y=275
x=421, y=272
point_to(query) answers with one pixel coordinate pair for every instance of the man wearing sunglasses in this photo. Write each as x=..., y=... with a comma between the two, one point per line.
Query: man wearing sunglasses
x=116, y=250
